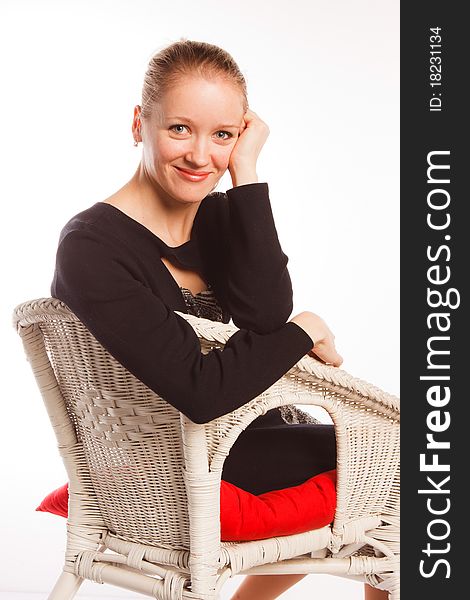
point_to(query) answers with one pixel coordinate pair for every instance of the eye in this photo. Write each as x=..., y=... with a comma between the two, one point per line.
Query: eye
x=227, y=133
x=177, y=125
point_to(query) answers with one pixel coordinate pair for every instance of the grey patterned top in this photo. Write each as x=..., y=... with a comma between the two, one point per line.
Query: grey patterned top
x=204, y=304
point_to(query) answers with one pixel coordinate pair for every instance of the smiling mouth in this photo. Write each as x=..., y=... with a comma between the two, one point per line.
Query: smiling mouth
x=196, y=173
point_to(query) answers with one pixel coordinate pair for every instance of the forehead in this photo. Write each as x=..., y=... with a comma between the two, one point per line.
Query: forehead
x=203, y=101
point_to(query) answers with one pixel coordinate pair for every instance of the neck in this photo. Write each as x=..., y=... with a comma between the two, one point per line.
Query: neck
x=170, y=219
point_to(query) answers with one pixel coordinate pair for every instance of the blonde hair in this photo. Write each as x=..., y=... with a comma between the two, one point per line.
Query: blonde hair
x=187, y=57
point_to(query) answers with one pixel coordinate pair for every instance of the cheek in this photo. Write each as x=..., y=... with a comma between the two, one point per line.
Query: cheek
x=166, y=150
x=159, y=148
x=222, y=156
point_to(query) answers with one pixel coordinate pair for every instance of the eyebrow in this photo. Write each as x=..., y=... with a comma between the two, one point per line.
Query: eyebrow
x=192, y=122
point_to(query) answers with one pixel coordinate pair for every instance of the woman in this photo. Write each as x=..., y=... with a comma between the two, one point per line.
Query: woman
x=167, y=242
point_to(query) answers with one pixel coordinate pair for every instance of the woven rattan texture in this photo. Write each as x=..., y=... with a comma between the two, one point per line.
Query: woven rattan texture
x=144, y=480
x=118, y=419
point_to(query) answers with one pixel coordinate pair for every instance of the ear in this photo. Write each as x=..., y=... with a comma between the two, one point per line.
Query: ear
x=137, y=124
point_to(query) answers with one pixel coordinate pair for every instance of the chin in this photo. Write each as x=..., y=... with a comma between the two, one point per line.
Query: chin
x=190, y=193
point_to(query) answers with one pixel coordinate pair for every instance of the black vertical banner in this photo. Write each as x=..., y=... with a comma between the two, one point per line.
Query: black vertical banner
x=435, y=258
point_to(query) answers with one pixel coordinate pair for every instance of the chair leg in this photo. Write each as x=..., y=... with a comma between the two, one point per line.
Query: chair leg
x=66, y=586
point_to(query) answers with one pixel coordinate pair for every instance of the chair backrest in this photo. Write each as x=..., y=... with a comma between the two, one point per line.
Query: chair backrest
x=129, y=438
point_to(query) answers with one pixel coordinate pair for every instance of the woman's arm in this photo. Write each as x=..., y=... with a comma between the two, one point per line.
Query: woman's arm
x=246, y=265
x=258, y=284
x=160, y=347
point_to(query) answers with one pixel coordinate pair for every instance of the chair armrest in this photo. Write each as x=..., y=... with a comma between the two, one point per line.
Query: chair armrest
x=366, y=421
x=342, y=385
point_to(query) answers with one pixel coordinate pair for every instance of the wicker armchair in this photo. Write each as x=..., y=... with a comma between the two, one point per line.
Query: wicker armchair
x=160, y=534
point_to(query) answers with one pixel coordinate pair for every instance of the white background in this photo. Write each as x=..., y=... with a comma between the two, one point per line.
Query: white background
x=324, y=75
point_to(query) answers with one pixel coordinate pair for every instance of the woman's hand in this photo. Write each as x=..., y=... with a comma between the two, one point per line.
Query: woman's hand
x=324, y=345
x=242, y=162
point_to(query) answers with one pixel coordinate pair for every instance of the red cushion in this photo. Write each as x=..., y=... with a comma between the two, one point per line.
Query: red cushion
x=57, y=502
x=244, y=516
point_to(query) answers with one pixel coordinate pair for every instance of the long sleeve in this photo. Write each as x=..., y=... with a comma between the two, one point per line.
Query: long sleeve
x=256, y=283
x=157, y=345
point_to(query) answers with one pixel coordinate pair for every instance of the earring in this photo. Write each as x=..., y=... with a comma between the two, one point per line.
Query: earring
x=136, y=143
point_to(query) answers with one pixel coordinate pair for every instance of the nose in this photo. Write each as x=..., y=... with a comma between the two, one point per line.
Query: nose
x=198, y=152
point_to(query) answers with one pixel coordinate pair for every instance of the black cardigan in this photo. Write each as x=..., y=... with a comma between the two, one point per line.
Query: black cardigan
x=109, y=272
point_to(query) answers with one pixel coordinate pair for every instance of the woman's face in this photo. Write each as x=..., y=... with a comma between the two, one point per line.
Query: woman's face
x=195, y=127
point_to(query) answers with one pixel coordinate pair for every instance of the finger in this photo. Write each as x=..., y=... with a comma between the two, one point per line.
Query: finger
x=242, y=123
x=249, y=116
x=316, y=357
x=339, y=361
x=334, y=359
x=327, y=356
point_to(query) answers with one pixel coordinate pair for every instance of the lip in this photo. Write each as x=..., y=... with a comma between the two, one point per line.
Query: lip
x=193, y=175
